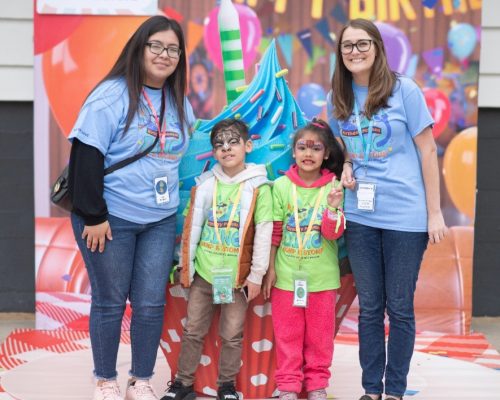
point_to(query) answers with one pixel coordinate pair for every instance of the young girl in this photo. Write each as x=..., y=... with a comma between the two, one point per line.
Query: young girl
x=303, y=273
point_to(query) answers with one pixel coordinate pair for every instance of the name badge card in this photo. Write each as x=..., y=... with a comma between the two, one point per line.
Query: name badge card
x=222, y=285
x=366, y=196
x=161, y=190
x=300, y=289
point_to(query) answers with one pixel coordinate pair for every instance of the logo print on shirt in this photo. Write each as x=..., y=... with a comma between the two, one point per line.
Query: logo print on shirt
x=381, y=140
x=175, y=143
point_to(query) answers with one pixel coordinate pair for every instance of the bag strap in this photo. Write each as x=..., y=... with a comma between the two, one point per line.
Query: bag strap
x=130, y=160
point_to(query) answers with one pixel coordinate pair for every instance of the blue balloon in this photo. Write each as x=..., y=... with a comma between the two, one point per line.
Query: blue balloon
x=462, y=40
x=311, y=98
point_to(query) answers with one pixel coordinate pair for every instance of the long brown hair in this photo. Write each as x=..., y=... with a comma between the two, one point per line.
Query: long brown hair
x=382, y=79
x=130, y=65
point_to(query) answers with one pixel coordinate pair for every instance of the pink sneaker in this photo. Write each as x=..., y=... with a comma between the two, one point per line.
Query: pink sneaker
x=107, y=390
x=140, y=390
x=319, y=394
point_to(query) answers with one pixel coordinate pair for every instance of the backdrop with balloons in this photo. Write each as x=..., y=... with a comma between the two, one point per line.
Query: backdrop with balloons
x=76, y=51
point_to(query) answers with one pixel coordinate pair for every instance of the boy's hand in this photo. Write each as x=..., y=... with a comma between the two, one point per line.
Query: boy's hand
x=253, y=290
x=269, y=281
x=336, y=195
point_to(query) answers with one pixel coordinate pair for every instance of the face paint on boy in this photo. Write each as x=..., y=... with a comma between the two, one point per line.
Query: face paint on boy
x=226, y=138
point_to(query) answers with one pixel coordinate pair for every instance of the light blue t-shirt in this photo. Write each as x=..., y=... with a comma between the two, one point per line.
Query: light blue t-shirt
x=129, y=192
x=394, y=161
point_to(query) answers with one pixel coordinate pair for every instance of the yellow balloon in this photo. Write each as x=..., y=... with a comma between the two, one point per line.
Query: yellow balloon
x=459, y=170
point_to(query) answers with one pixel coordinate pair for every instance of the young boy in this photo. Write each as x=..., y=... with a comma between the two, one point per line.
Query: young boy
x=225, y=251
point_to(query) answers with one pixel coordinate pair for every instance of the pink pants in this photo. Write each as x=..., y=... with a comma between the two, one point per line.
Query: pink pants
x=304, y=340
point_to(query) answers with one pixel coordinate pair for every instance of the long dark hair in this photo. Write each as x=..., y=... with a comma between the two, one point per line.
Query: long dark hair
x=335, y=160
x=130, y=65
x=382, y=79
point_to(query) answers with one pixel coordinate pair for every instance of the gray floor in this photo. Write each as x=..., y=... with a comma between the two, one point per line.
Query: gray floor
x=490, y=326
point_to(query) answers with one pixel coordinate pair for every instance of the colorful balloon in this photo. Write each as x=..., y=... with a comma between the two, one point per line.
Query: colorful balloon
x=440, y=108
x=53, y=29
x=73, y=67
x=397, y=47
x=311, y=98
x=251, y=34
x=459, y=170
x=462, y=39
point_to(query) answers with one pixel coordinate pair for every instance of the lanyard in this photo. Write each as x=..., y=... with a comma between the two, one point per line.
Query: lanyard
x=366, y=145
x=297, y=221
x=162, y=133
x=233, y=210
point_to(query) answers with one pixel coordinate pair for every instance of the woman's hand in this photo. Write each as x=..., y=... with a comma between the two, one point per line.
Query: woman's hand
x=96, y=236
x=436, y=227
x=336, y=195
x=269, y=281
x=347, y=179
x=253, y=290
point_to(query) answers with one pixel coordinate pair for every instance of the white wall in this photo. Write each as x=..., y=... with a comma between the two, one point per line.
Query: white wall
x=489, y=65
x=16, y=50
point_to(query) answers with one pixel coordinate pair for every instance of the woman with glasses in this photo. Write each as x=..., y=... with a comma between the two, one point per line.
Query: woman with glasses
x=124, y=221
x=392, y=203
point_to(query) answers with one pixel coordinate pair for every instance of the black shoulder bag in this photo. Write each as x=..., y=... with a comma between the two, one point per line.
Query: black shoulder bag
x=59, y=194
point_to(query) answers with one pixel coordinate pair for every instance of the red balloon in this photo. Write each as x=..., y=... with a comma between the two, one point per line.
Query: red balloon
x=73, y=67
x=440, y=108
x=53, y=29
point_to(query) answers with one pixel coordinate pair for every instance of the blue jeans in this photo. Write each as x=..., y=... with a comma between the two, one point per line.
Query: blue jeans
x=135, y=265
x=385, y=264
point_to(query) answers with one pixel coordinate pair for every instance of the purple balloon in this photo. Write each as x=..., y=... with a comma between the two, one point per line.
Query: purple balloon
x=397, y=47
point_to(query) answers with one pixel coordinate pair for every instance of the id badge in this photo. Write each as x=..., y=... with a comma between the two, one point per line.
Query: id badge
x=161, y=190
x=300, y=289
x=366, y=196
x=222, y=285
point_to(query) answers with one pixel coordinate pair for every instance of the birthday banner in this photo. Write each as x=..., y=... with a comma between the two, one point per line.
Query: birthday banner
x=436, y=42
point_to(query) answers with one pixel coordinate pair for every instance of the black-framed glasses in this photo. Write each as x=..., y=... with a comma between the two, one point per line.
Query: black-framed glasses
x=362, y=45
x=157, y=48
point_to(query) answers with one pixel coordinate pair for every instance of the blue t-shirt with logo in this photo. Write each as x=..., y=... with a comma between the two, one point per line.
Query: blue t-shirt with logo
x=394, y=161
x=129, y=192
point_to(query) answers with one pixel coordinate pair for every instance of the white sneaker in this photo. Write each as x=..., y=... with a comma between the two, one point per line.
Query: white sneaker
x=108, y=390
x=140, y=390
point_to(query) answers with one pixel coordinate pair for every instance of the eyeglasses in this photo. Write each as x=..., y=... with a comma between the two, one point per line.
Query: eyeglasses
x=156, y=48
x=362, y=45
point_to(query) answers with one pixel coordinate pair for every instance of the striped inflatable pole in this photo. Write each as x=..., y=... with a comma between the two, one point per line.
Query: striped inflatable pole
x=232, y=52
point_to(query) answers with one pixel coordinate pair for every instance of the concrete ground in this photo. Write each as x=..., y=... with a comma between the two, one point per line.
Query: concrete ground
x=490, y=326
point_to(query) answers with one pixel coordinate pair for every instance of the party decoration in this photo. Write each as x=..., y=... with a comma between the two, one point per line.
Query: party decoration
x=251, y=34
x=462, y=40
x=429, y=3
x=305, y=38
x=53, y=29
x=323, y=27
x=194, y=36
x=434, y=59
x=73, y=67
x=339, y=14
x=397, y=46
x=232, y=53
x=285, y=41
x=308, y=96
x=411, y=70
x=440, y=108
x=459, y=170
x=317, y=9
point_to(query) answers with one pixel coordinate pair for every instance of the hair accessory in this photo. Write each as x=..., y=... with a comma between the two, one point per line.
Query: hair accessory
x=317, y=125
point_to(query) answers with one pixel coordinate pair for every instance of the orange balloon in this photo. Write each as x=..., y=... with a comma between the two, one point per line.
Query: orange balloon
x=459, y=170
x=73, y=67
